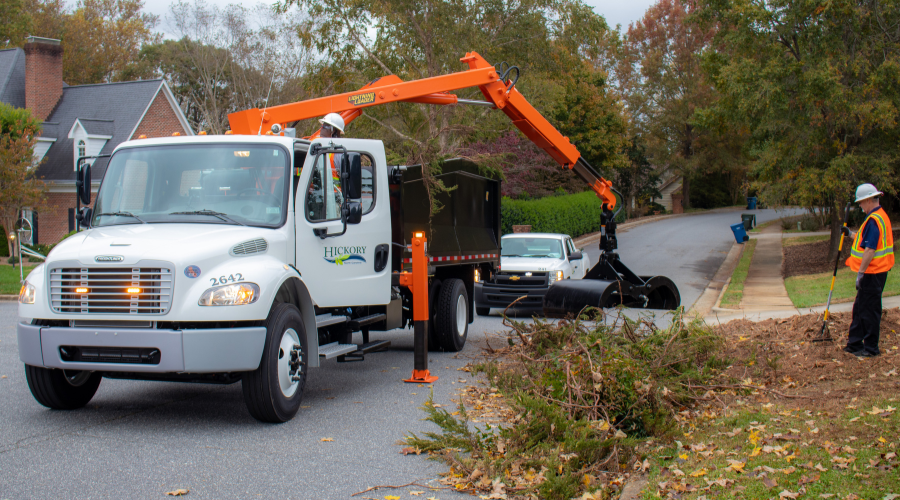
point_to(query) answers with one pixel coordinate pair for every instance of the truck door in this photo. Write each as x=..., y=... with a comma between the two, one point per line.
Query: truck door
x=577, y=265
x=346, y=269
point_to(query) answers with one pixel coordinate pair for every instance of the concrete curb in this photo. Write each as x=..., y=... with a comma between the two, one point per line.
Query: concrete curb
x=712, y=295
x=9, y=297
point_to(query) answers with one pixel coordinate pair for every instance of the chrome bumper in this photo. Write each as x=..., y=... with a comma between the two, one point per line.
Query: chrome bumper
x=181, y=351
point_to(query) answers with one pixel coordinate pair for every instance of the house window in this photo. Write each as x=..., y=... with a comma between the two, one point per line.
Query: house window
x=82, y=149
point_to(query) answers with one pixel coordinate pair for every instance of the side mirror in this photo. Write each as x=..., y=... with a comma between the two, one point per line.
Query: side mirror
x=576, y=256
x=84, y=216
x=351, y=176
x=354, y=212
x=83, y=183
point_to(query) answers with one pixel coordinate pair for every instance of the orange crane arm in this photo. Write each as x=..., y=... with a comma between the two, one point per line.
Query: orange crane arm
x=498, y=93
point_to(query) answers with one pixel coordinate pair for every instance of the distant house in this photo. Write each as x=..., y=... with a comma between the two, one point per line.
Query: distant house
x=81, y=120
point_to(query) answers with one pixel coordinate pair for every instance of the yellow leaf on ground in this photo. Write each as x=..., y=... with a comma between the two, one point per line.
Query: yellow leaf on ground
x=736, y=466
x=416, y=493
x=755, y=452
x=327, y=440
x=698, y=473
x=177, y=493
x=391, y=497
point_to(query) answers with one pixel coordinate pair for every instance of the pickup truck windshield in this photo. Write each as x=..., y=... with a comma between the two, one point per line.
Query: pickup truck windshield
x=238, y=184
x=531, y=247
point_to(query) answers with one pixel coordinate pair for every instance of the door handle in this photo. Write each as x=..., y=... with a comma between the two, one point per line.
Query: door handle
x=382, y=252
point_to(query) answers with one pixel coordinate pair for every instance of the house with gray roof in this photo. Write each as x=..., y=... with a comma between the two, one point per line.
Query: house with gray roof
x=79, y=120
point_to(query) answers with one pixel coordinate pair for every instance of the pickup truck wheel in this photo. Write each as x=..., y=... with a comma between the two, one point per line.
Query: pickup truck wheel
x=274, y=390
x=62, y=389
x=483, y=311
x=452, y=311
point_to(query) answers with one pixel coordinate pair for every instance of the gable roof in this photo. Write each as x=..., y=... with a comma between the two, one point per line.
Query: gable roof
x=12, y=77
x=109, y=110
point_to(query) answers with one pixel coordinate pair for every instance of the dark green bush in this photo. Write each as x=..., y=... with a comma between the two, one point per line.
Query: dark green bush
x=573, y=214
x=4, y=245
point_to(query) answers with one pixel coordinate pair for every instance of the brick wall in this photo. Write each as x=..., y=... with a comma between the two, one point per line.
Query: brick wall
x=43, y=78
x=53, y=217
x=160, y=120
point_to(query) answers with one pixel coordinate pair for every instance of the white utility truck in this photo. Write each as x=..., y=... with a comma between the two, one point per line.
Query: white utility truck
x=529, y=264
x=247, y=258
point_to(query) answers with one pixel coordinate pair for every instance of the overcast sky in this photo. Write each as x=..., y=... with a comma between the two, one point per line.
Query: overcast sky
x=615, y=11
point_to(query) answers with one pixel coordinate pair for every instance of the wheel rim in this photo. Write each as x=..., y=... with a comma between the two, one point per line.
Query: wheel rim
x=462, y=316
x=76, y=378
x=288, y=339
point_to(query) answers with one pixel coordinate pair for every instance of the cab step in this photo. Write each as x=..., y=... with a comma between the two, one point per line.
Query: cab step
x=334, y=349
x=323, y=320
x=359, y=323
x=360, y=354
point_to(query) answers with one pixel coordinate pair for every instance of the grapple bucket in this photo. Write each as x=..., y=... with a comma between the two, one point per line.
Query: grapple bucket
x=609, y=284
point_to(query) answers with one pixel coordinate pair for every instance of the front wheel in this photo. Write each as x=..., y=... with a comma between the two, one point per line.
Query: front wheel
x=274, y=390
x=452, y=316
x=62, y=389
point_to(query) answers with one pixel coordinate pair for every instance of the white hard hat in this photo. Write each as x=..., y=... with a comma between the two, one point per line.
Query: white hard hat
x=334, y=120
x=865, y=191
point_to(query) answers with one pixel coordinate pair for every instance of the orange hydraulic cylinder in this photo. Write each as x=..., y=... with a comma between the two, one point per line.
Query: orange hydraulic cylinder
x=417, y=282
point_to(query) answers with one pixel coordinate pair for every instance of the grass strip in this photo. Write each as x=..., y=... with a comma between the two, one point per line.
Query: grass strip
x=735, y=291
x=802, y=240
x=9, y=279
x=812, y=289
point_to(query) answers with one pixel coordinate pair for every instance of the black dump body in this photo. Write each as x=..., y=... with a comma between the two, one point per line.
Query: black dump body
x=466, y=229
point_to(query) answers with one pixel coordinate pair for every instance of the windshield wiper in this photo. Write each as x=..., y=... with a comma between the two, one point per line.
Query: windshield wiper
x=509, y=255
x=124, y=214
x=220, y=215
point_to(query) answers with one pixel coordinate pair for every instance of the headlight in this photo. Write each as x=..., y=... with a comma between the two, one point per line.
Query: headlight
x=26, y=294
x=556, y=276
x=477, y=276
x=230, y=295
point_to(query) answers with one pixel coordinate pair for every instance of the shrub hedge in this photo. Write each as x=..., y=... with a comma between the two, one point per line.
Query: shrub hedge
x=573, y=214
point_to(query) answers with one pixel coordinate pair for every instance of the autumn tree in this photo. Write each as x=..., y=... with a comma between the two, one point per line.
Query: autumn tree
x=15, y=22
x=817, y=86
x=19, y=188
x=48, y=18
x=102, y=40
x=663, y=83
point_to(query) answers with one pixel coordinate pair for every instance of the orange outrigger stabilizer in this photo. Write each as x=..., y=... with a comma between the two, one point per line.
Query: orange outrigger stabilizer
x=417, y=283
x=498, y=89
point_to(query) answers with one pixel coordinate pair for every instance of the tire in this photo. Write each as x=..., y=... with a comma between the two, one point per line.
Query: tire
x=452, y=316
x=483, y=311
x=269, y=392
x=62, y=389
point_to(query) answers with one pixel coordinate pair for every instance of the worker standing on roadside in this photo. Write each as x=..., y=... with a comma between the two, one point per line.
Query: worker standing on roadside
x=332, y=128
x=871, y=256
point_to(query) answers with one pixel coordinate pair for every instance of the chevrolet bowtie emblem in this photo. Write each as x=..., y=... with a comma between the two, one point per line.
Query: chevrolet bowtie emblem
x=514, y=278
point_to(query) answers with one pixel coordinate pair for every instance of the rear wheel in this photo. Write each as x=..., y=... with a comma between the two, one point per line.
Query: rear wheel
x=483, y=311
x=62, y=389
x=274, y=390
x=452, y=316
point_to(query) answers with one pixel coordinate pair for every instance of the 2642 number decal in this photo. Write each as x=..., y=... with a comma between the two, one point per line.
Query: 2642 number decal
x=224, y=280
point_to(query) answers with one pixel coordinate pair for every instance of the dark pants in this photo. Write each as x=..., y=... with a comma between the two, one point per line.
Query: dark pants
x=866, y=322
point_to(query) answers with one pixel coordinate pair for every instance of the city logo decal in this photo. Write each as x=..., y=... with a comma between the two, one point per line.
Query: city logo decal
x=345, y=255
x=360, y=99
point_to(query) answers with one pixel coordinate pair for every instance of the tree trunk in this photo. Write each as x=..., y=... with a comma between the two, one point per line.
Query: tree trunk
x=686, y=192
x=837, y=220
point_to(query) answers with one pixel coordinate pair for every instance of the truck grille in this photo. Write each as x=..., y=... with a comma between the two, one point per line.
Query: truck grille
x=520, y=279
x=105, y=290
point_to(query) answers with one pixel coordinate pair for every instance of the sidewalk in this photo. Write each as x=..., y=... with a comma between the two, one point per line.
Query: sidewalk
x=764, y=287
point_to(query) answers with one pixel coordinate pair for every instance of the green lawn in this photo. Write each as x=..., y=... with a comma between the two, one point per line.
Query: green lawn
x=802, y=240
x=9, y=279
x=735, y=291
x=812, y=289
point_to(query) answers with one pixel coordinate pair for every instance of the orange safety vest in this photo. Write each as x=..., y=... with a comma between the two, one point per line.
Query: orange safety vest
x=884, y=253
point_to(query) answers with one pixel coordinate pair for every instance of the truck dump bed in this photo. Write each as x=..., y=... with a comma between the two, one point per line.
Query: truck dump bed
x=466, y=229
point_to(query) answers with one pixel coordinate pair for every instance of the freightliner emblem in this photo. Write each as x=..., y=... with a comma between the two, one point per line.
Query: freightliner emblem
x=109, y=258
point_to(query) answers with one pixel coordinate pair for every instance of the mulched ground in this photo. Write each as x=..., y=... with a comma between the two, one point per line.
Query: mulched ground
x=811, y=258
x=779, y=355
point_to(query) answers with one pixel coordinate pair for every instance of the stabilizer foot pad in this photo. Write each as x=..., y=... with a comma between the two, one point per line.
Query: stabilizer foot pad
x=421, y=377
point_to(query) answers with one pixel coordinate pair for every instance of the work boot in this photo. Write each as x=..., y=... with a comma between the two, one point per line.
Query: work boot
x=853, y=350
x=865, y=354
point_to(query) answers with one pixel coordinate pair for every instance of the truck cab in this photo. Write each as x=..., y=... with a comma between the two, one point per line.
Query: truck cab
x=225, y=259
x=529, y=264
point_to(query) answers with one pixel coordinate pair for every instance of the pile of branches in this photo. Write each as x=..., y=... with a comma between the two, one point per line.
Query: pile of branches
x=584, y=394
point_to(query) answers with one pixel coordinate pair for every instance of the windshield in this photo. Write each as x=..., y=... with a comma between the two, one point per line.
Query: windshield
x=210, y=183
x=531, y=247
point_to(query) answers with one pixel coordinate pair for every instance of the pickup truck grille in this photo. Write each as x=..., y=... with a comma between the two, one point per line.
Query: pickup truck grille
x=517, y=278
x=107, y=290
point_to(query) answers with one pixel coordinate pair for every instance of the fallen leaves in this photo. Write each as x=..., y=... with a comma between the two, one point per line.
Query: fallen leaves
x=327, y=440
x=177, y=493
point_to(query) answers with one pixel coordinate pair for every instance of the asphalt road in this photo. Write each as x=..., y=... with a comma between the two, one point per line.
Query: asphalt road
x=142, y=439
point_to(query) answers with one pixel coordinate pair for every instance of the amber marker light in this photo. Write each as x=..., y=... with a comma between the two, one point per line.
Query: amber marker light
x=419, y=235
x=81, y=290
x=134, y=290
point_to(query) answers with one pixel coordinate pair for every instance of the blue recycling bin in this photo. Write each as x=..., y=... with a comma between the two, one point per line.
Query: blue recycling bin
x=740, y=234
x=751, y=203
